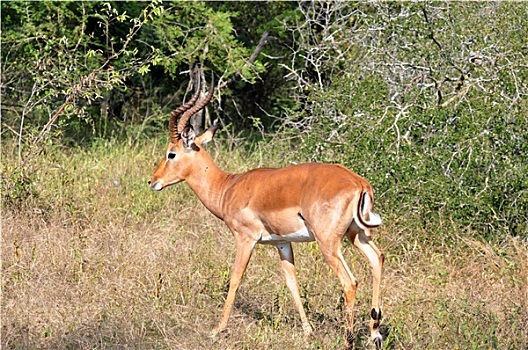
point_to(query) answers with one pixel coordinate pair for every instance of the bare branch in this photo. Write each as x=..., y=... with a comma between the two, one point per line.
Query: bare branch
x=262, y=42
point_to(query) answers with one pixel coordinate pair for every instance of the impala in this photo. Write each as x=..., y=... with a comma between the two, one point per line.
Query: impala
x=300, y=203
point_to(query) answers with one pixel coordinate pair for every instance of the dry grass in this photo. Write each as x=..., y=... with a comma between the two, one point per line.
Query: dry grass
x=93, y=259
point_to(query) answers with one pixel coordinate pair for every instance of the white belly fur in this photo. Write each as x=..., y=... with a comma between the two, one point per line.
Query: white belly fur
x=303, y=235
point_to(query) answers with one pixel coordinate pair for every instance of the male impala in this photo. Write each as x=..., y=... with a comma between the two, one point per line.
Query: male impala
x=300, y=203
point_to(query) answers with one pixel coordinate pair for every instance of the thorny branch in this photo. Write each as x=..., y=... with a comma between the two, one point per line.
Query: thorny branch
x=93, y=75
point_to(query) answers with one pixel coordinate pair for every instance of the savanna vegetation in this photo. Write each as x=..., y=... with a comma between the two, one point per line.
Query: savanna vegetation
x=426, y=100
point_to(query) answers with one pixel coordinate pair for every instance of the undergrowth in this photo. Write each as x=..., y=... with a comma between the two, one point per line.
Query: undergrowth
x=91, y=258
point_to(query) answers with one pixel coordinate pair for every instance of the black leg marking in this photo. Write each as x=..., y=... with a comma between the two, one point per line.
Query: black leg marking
x=376, y=316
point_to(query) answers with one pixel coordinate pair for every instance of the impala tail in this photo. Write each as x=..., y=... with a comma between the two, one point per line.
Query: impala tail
x=367, y=219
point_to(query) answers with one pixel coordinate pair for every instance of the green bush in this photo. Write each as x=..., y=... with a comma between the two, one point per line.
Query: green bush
x=429, y=109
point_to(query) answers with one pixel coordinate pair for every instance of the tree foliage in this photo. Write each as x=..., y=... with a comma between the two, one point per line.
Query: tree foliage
x=427, y=100
x=120, y=63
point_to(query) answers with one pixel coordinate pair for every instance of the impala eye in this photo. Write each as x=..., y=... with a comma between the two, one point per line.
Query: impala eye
x=171, y=155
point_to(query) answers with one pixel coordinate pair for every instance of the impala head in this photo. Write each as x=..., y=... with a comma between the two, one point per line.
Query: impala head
x=185, y=148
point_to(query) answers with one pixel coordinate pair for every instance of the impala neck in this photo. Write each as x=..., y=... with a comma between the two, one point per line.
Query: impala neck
x=208, y=182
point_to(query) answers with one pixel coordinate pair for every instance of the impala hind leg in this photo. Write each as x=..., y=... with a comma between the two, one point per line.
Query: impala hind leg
x=364, y=243
x=243, y=254
x=288, y=266
x=331, y=250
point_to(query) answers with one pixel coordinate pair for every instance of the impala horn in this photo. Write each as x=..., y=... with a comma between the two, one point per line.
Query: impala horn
x=176, y=131
x=195, y=109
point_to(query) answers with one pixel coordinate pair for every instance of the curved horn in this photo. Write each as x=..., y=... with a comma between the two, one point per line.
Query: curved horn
x=174, y=131
x=196, y=108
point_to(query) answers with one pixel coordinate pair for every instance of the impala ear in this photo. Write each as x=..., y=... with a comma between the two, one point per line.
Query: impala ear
x=209, y=133
x=187, y=137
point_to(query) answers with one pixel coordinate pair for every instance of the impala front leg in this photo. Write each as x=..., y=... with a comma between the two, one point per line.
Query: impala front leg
x=243, y=254
x=288, y=266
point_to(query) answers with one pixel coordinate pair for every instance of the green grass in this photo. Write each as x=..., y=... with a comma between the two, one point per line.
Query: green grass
x=92, y=259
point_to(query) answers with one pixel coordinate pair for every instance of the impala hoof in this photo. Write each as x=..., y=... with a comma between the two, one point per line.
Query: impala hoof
x=349, y=339
x=215, y=332
x=308, y=331
x=377, y=339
